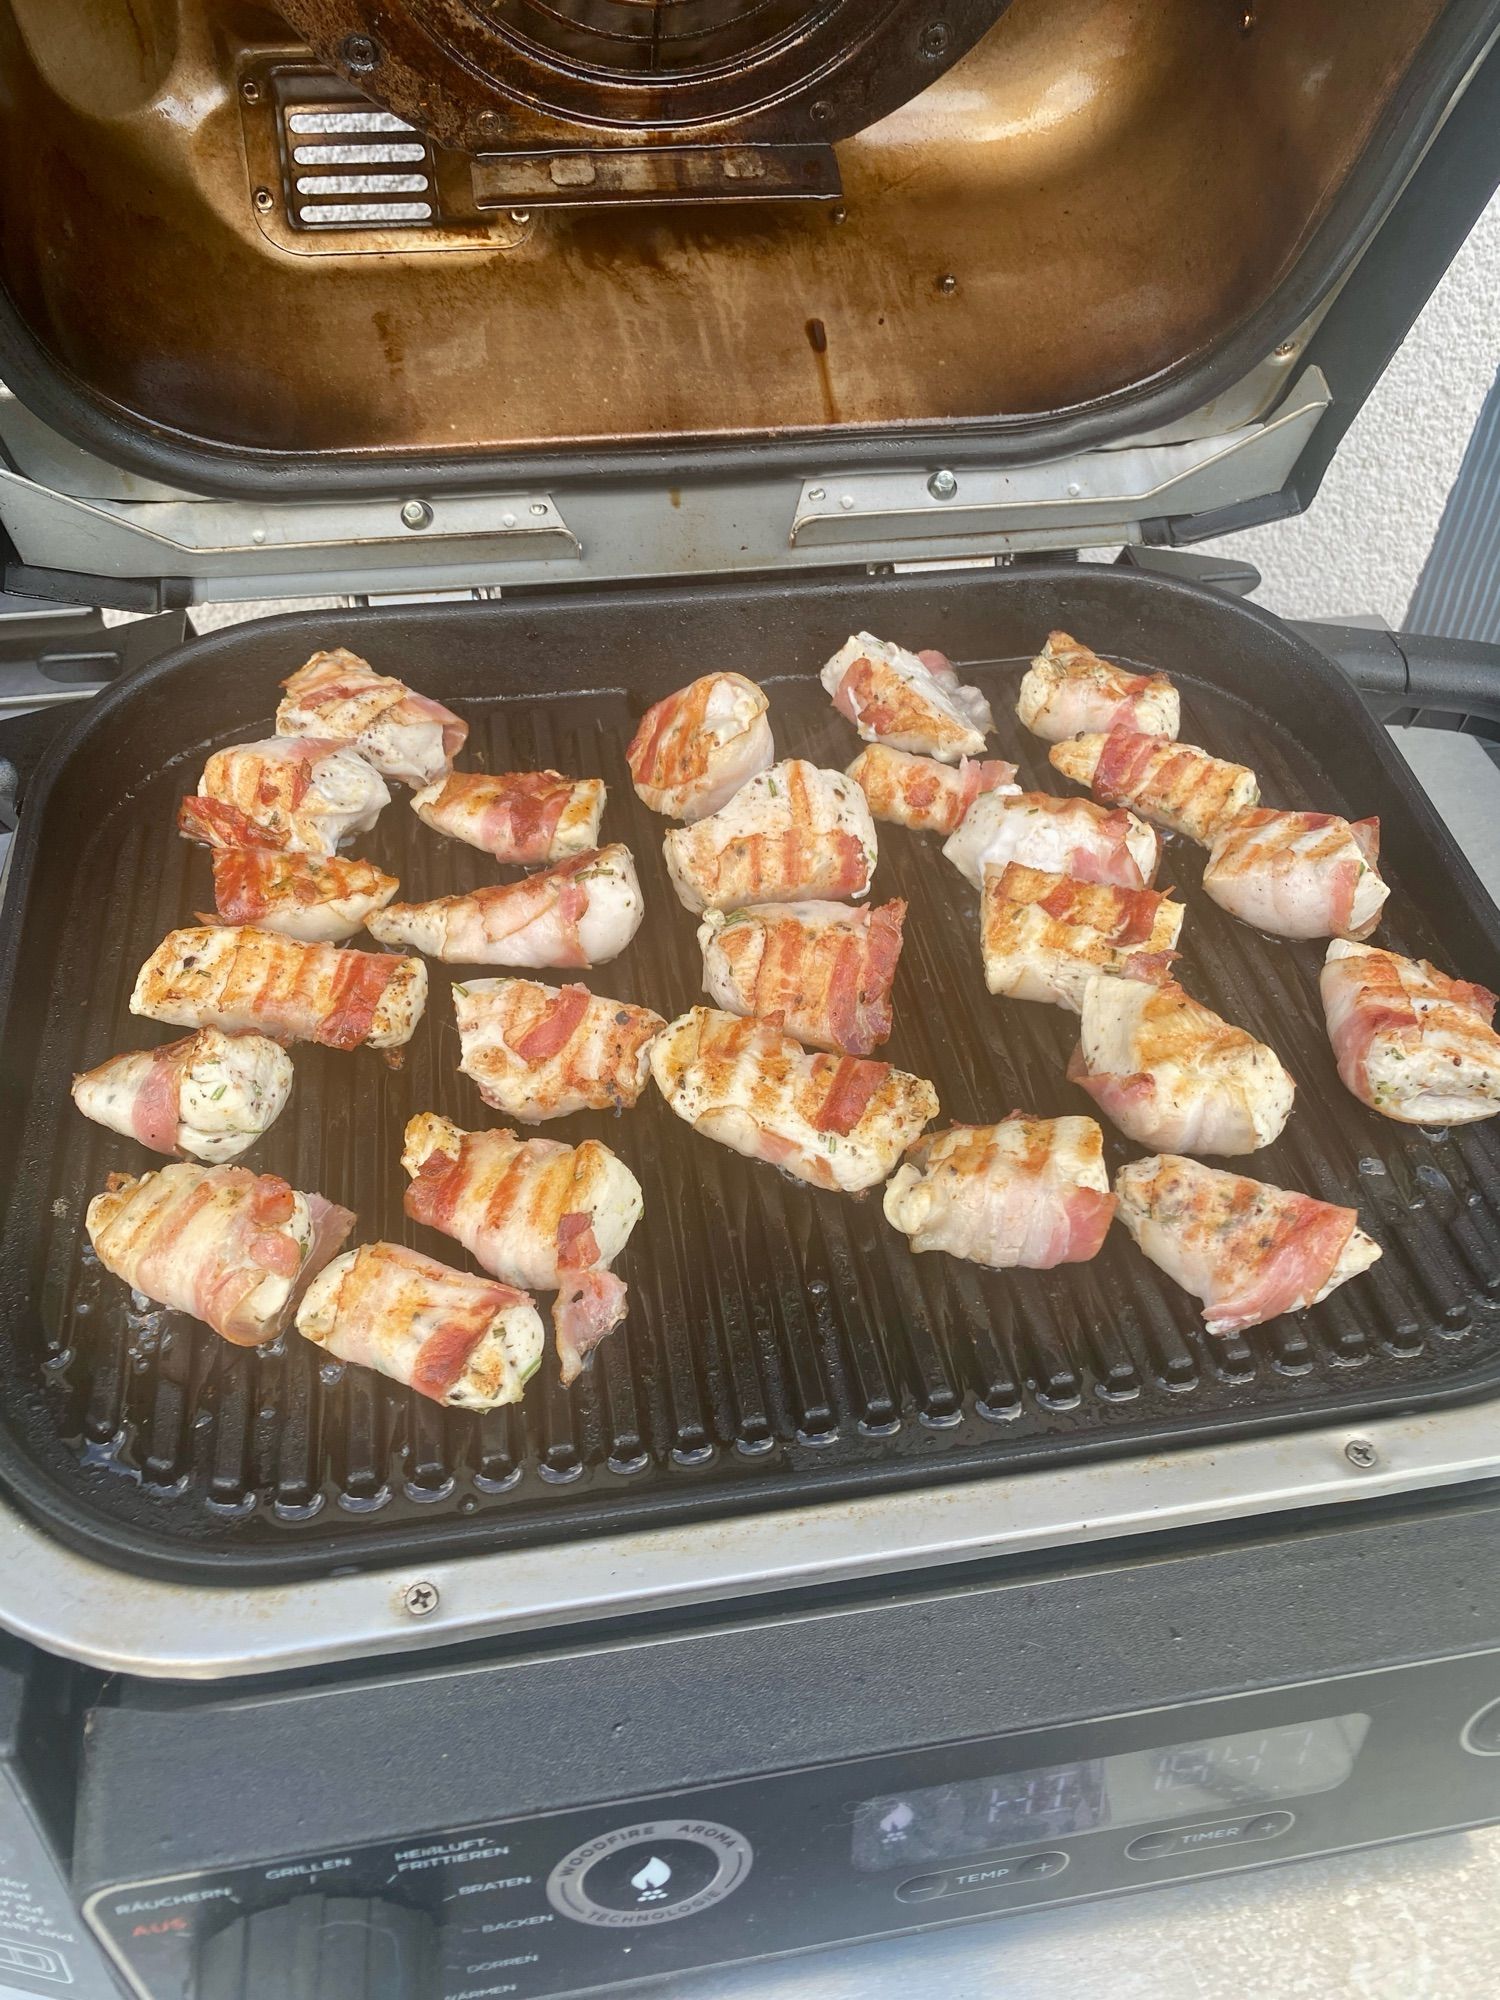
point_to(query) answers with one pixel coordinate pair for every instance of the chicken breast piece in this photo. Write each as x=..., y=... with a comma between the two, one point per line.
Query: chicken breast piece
x=791, y=835
x=1044, y=936
x=1173, y=1075
x=238, y=979
x=406, y=736
x=694, y=750
x=835, y=1121
x=211, y=1095
x=232, y=1248
x=821, y=971
x=518, y=816
x=1028, y=1191
x=1063, y=836
x=921, y=793
x=1247, y=1250
x=581, y=912
x=912, y=701
x=1298, y=874
x=1068, y=690
x=292, y=794
x=467, y=1343
x=1409, y=1041
x=533, y=1212
x=540, y=1052
x=320, y=902
x=1176, y=784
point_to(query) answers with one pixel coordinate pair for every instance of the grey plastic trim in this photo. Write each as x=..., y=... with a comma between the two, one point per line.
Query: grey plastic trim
x=71, y=1605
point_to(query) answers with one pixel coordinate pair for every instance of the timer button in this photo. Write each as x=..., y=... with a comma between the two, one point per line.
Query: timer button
x=1268, y=1825
x=1481, y=1737
x=1149, y=1845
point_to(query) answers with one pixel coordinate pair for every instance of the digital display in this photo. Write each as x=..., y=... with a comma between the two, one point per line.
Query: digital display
x=1132, y=1788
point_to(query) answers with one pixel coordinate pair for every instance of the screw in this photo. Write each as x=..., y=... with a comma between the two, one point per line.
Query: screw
x=539, y=507
x=948, y=283
x=934, y=43
x=1286, y=350
x=360, y=52
x=822, y=110
x=420, y=1599
x=817, y=492
x=250, y=91
x=416, y=514
x=1360, y=1452
x=520, y=217
x=490, y=121
x=838, y=215
x=1247, y=20
x=264, y=200
x=846, y=501
x=942, y=485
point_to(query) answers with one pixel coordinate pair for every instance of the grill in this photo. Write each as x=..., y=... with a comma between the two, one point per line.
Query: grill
x=782, y=1344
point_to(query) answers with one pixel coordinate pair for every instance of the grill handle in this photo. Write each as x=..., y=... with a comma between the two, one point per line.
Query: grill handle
x=1413, y=670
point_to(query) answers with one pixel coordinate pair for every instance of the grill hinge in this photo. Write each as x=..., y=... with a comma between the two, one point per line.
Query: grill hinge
x=1087, y=501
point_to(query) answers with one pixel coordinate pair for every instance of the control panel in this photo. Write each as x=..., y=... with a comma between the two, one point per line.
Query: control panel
x=591, y=1899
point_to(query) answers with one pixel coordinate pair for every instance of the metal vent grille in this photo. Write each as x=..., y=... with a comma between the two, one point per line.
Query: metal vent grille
x=331, y=174
x=351, y=167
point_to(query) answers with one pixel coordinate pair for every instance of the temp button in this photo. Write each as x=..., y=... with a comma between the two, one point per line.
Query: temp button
x=980, y=1875
x=651, y=1873
x=1481, y=1737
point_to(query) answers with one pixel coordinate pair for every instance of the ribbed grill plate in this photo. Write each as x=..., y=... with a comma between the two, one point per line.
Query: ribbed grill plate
x=781, y=1343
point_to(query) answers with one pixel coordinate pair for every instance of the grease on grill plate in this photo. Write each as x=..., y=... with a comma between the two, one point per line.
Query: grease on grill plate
x=782, y=1343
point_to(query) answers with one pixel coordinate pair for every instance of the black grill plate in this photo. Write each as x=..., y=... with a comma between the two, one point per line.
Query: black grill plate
x=783, y=1345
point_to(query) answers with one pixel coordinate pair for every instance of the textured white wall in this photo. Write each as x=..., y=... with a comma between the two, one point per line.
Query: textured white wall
x=1360, y=546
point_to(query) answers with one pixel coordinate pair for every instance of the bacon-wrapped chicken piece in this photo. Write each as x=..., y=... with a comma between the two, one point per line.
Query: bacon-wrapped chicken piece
x=292, y=794
x=518, y=816
x=540, y=1052
x=694, y=750
x=238, y=979
x=534, y=1213
x=836, y=1121
x=320, y=902
x=405, y=736
x=1247, y=1250
x=921, y=793
x=1063, y=836
x=1176, y=784
x=1173, y=1075
x=1410, y=1042
x=1068, y=690
x=821, y=971
x=232, y=1248
x=912, y=701
x=1044, y=936
x=791, y=835
x=1298, y=874
x=1028, y=1191
x=582, y=912
x=467, y=1343
x=210, y=1096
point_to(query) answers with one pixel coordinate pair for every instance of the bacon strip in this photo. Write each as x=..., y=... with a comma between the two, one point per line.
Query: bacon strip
x=586, y=1310
x=217, y=824
x=556, y=1026
x=852, y=1086
x=154, y=1112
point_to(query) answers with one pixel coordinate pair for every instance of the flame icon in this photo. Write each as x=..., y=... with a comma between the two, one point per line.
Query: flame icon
x=651, y=1880
x=897, y=1820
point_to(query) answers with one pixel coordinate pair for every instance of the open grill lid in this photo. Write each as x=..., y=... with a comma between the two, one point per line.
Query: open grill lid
x=470, y=293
